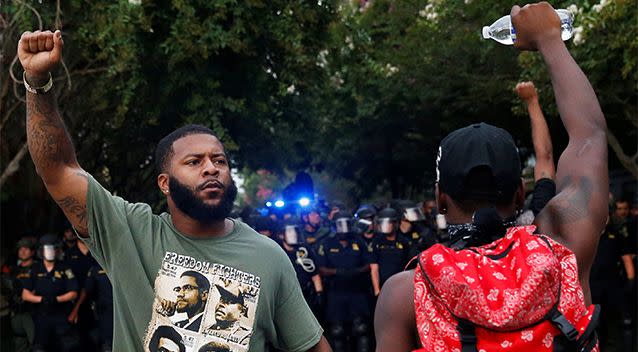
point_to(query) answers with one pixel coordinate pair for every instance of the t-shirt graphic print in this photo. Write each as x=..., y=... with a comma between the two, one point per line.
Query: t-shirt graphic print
x=201, y=306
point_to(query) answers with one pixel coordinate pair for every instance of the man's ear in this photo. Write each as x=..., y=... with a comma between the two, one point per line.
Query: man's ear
x=162, y=183
x=204, y=295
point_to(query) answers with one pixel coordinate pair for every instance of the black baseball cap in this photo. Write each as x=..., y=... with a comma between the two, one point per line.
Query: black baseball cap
x=478, y=145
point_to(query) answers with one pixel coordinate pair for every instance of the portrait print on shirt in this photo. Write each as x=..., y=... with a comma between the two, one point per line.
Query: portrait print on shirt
x=201, y=306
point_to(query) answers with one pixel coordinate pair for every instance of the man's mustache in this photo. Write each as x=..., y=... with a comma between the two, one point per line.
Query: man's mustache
x=211, y=183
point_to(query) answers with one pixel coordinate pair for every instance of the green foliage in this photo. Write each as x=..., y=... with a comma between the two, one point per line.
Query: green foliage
x=358, y=95
x=606, y=47
x=260, y=186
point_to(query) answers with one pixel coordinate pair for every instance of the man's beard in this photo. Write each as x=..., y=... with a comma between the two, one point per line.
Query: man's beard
x=186, y=201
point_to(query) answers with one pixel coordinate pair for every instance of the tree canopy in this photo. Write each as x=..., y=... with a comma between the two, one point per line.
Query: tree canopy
x=358, y=93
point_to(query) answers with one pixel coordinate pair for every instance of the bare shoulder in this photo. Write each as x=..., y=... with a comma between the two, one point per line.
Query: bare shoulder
x=576, y=217
x=394, y=318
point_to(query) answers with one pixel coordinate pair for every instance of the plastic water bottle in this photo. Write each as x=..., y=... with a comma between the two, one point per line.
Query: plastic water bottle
x=503, y=32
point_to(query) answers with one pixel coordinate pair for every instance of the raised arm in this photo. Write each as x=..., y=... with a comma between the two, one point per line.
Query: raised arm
x=49, y=143
x=540, y=132
x=576, y=215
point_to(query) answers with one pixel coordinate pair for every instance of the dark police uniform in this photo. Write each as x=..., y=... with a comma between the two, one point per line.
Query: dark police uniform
x=21, y=321
x=347, y=301
x=304, y=261
x=391, y=255
x=315, y=238
x=80, y=264
x=50, y=319
x=369, y=241
x=98, y=286
x=420, y=238
x=605, y=280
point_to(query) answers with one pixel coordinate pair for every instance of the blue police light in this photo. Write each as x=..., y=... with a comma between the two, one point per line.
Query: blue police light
x=304, y=201
x=280, y=203
x=269, y=204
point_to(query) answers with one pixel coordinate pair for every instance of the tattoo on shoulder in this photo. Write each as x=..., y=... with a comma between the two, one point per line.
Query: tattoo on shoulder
x=75, y=211
x=572, y=204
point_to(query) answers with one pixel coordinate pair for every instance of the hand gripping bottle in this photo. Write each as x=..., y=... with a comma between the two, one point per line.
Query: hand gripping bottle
x=503, y=32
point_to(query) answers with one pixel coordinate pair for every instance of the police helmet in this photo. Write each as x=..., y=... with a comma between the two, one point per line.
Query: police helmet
x=50, y=239
x=26, y=242
x=263, y=223
x=388, y=213
x=365, y=211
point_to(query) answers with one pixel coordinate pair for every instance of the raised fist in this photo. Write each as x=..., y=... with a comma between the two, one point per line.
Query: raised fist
x=536, y=25
x=39, y=52
x=526, y=91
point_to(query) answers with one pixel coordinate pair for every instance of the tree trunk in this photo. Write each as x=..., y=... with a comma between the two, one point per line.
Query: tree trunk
x=629, y=162
x=14, y=165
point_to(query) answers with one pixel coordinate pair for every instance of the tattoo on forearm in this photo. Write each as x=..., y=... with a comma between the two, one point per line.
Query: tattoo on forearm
x=49, y=142
x=75, y=211
x=572, y=204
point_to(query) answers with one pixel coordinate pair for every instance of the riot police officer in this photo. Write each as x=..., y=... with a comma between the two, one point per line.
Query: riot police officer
x=365, y=215
x=344, y=261
x=313, y=231
x=416, y=229
x=51, y=287
x=304, y=261
x=391, y=250
x=21, y=320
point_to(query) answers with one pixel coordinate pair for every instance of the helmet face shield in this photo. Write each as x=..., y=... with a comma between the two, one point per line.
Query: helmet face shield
x=441, y=223
x=49, y=252
x=413, y=214
x=362, y=226
x=344, y=225
x=386, y=225
x=292, y=235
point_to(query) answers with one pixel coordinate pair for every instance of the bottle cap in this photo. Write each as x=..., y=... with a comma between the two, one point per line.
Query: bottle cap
x=486, y=32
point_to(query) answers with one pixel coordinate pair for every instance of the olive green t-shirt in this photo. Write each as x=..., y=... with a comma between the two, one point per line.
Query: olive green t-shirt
x=237, y=292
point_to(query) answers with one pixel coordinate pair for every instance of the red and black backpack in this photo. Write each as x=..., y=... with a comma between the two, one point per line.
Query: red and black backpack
x=518, y=293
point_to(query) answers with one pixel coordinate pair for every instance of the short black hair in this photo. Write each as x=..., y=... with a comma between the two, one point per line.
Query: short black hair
x=165, y=331
x=164, y=149
x=201, y=280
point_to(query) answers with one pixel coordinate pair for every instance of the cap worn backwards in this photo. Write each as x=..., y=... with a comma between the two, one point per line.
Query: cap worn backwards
x=478, y=145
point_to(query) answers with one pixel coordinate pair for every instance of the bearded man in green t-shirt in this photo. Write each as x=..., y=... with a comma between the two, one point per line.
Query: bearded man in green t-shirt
x=152, y=259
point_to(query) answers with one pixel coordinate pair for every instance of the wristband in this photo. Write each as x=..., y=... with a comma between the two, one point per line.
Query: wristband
x=37, y=90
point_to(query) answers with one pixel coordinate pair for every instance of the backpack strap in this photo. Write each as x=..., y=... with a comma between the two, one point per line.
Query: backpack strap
x=588, y=340
x=467, y=335
x=560, y=321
